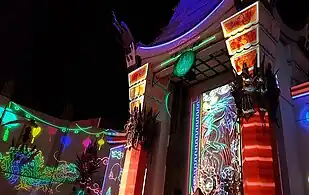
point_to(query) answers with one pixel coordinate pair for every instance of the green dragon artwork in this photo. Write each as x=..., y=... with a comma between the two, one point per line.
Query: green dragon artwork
x=29, y=172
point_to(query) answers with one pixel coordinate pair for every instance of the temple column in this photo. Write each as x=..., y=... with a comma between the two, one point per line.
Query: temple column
x=156, y=167
x=144, y=171
x=132, y=179
x=252, y=35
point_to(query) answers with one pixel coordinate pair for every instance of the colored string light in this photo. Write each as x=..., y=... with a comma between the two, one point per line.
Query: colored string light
x=35, y=132
x=51, y=131
x=31, y=116
x=16, y=107
x=65, y=140
x=101, y=143
x=86, y=143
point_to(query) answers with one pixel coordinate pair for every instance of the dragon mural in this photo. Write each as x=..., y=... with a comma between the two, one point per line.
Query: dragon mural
x=29, y=172
x=219, y=141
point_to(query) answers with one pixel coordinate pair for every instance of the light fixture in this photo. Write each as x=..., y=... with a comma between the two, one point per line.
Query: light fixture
x=184, y=63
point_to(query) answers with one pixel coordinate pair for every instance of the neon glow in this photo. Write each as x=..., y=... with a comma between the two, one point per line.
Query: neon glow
x=51, y=131
x=16, y=109
x=195, y=48
x=184, y=64
x=300, y=90
x=117, y=154
x=34, y=175
x=101, y=143
x=109, y=191
x=195, y=146
x=215, y=143
x=65, y=141
x=7, y=116
x=35, y=131
x=113, y=170
x=166, y=99
x=86, y=143
x=187, y=33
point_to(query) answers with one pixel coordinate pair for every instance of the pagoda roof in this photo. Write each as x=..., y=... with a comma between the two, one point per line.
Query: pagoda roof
x=188, y=14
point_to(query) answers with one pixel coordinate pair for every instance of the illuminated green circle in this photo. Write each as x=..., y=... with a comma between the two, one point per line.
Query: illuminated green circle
x=184, y=63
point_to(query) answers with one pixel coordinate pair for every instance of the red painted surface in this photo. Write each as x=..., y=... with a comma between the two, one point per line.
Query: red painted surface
x=259, y=165
x=133, y=172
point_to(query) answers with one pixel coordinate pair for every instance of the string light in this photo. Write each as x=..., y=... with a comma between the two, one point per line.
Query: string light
x=101, y=142
x=86, y=143
x=65, y=140
x=35, y=131
x=11, y=114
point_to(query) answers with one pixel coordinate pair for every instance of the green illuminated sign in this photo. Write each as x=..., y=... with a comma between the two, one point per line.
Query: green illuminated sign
x=184, y=63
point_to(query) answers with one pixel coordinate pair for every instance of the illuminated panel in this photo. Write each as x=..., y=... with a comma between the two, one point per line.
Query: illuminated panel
x=243, y=40
x=137, y=90
x=138, y=75
x=136, y=103
x=193, y=180
x=219, y=141
x=215, y=143
x=113, y=171
x=241, y=20
x=250, y=57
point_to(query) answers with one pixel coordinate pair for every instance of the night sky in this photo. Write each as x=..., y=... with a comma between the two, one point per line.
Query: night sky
x=61, y=51
x=65, y=51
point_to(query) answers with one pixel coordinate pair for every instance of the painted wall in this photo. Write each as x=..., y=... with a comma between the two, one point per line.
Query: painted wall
x=289, y=145
x=301, y=110
x=49, y=145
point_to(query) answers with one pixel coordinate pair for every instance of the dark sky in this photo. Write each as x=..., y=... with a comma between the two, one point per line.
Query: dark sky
x=61, y=51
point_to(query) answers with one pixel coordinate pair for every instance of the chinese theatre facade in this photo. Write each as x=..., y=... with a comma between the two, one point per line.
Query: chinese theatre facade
x=223, y=123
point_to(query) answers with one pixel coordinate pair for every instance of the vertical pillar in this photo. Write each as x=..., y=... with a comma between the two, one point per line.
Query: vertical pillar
x=156, y=170
x=133, y=172
x=252, y=35
x=132, y=180
x=257, y=157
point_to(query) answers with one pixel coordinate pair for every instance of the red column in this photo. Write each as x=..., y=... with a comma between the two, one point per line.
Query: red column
x=133, y=172
x=257, y=157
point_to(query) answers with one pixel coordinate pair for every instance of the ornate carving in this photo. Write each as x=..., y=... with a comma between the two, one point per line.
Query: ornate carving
x=126, y=40
x=256, y=91
x=88, y=164
x=140, y=128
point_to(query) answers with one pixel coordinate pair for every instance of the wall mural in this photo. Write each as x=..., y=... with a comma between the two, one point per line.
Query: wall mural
x=26, y=164
x=215, y=143
x=113, y=171
x=25, y=168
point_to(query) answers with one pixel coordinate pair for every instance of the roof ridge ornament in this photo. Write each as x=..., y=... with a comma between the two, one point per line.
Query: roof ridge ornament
x=127, y=40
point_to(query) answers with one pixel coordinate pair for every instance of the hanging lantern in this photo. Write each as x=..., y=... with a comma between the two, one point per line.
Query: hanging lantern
x=86, y=143
x=51, y=131
x=101, y=142
x=65, y=140
x=35, y=131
